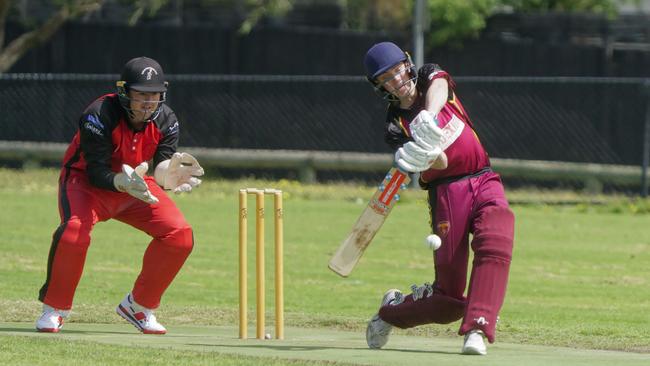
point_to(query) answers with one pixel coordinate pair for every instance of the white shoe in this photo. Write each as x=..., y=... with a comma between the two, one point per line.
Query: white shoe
x=141, y=317
x=378, y=330
x=474, y=343
x=51, y=320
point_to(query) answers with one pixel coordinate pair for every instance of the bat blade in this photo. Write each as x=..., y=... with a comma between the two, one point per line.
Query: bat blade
x=372, y=218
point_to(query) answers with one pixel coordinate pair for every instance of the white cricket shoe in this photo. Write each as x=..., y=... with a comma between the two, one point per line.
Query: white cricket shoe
x=378, y=330
x=141, y=317
x=474, y=343
x=51, y=320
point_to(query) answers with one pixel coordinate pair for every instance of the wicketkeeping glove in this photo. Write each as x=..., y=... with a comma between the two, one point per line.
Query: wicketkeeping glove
x=179, y=173
x=131, y=181
x=425, y=131
x=413, y=158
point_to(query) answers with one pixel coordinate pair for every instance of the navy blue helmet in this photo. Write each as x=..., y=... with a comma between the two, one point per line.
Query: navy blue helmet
x=382, y=57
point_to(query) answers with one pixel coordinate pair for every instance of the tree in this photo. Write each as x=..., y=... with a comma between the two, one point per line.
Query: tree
x=66, y=10
x=450, y=20
x=457, y=20
x=145, y=7
x=377, y=14
x=257, y=9
x=12, y=52
x=607, y=7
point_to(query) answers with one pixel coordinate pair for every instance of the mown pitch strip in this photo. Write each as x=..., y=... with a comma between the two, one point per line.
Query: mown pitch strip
x=331, y=345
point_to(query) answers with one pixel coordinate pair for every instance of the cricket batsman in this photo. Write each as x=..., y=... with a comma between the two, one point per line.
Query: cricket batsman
x=104, y=176
x=465, y=197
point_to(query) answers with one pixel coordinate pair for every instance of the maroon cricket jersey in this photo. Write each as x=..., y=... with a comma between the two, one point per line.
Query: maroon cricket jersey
x=465, y=156
x=106, y=140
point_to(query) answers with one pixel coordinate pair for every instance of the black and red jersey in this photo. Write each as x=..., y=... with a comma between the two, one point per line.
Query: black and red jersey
x=106, y=140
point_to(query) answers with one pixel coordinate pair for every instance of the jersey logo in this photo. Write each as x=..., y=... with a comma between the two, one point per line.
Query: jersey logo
x=451, y=131
x=443, y=228
x=93, y=125
x=173, y=128
x=90, y=127
x=93, y=119
x=150, y=71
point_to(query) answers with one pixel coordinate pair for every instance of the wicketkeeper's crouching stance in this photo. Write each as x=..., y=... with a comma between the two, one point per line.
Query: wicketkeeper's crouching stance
x=465, y=196
x=104, y=177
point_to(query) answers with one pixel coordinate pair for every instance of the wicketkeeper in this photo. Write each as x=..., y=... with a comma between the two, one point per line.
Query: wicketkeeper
x=104, y=176
x=465, y=197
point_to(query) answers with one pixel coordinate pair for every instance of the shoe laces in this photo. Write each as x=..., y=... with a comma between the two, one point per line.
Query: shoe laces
x=419, y=292
x=398, y=298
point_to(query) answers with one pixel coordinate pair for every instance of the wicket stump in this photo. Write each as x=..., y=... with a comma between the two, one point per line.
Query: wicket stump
x=259, y=261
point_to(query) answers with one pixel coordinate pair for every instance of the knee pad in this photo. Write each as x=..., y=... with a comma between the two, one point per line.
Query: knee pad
x=181, y=238
x=73, y=234
x=494, y=233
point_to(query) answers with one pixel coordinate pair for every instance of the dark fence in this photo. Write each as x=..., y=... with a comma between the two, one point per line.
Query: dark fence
x=104, y=48
x=269, y=112
x=284, y=50
x=597, y=120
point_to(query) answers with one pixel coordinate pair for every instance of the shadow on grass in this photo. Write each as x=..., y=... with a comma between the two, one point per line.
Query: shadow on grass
x=318, y=348
x=18, y=330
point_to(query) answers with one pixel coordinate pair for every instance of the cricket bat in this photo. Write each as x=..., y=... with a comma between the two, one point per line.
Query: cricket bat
x=372, y=218
x=368, y=224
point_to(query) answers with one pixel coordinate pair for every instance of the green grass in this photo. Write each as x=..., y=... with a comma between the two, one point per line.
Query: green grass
x=44, y=351
x=579, y=276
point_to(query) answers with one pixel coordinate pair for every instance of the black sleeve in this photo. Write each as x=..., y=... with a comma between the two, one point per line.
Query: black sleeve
x=169, y=142
x=429, y=72
x=96, y=145
x=394, y=135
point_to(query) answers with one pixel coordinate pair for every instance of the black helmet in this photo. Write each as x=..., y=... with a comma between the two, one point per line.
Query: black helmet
x=145, y=75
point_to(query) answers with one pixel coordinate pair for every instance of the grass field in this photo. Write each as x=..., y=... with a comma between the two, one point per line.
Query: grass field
x=579, y=276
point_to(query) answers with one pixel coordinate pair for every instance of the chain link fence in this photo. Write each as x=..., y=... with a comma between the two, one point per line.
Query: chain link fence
x=265, y=112
x=589, y=120
x=558, y=119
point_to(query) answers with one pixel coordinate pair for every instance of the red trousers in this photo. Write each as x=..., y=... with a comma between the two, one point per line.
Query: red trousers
x=475, y=205
x=81, y=206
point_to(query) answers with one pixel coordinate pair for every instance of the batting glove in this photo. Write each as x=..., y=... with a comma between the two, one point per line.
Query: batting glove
x=179, y=173
x=425, y=131
x=413, y=158
x=131, y=181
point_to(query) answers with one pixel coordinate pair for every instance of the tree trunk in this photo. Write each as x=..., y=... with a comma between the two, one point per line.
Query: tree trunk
x=19, y=46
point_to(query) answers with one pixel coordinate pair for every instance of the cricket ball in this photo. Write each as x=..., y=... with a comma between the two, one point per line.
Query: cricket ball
x=433, y=242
